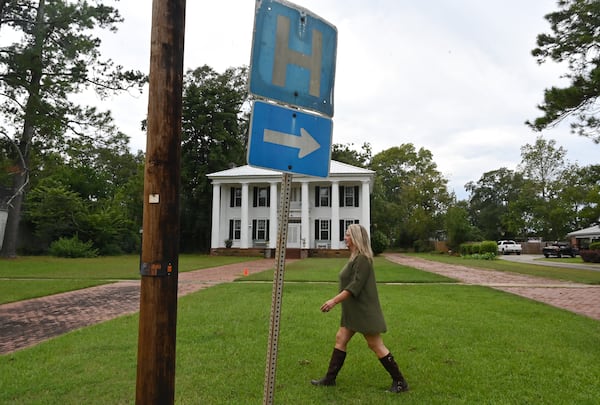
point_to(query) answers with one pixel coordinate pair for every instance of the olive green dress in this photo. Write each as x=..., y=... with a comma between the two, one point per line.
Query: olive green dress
x=361, y=312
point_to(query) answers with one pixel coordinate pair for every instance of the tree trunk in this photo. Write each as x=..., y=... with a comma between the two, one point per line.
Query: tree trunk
x=11, y=236
x=11, y=233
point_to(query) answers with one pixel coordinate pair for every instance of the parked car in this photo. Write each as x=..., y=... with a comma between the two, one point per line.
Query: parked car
x=507, y=247
x=560, y=249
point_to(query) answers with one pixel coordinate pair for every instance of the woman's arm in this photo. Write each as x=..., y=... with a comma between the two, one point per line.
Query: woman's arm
x=326, y=307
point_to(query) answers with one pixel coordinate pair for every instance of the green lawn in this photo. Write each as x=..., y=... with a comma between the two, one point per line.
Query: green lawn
x=455, y=344
x=38, y=276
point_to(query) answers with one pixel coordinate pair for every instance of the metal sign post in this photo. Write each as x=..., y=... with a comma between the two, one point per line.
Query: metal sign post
x=292, y=68
x=276, y=299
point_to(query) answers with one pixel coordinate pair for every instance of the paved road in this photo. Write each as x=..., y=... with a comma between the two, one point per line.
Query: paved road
x=552, y=262
x=26, y=323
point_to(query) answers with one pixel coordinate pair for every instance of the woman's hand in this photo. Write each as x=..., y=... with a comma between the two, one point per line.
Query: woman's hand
x=326, y=307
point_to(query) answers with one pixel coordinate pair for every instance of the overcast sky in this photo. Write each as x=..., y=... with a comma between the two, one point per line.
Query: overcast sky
x=455, y=77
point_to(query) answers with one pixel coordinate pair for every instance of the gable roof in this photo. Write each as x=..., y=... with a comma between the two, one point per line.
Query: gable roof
x=591, y=232
x=336, y=170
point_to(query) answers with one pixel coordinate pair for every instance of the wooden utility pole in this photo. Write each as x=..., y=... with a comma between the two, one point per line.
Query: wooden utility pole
x=160, y=242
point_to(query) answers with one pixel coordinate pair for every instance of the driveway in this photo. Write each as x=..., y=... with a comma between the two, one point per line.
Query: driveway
x=552, y=262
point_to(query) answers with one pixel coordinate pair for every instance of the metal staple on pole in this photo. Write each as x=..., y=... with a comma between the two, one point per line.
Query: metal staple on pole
x=277, y=295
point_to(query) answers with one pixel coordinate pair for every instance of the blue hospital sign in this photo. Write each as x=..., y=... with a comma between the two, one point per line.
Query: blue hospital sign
x=293, y=56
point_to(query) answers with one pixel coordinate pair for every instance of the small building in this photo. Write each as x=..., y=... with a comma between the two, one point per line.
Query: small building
x=583, y=237
x=245, y=207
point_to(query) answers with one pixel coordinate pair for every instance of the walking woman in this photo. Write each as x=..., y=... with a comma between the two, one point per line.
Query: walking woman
x=361, y=311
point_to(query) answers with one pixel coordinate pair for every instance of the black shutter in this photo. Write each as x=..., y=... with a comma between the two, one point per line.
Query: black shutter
x=356, y=196
x=342, y=230
x=329, y=200
x=342, y=196
x=254, y=229
x=330, y=230
x=317, y=196
x=255, y=197
x=268, y=227
x=231, y=196
x=231, y=229
x=317, y=229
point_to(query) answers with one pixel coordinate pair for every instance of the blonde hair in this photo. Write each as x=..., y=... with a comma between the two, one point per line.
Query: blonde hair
x=360, y=240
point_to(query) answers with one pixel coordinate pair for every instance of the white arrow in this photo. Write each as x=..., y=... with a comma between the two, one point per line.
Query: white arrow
x=305, y=142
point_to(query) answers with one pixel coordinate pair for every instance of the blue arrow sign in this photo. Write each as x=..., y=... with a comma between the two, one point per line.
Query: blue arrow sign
x=293, y=56
x=289, y=140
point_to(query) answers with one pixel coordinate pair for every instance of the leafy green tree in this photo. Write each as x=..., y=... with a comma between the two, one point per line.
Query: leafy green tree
x=410, y=196
x=56, y=55
x=458, y=227
x=543, y=205
x=574, y=40
x=55, y=211
x=587, y=195
x=345, y=154
x=491, y=200
x=543, y=163
x=215, y=123
x=96, y=195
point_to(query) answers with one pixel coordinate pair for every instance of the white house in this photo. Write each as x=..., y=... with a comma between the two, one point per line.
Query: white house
x=246, y=199
x=584, y=237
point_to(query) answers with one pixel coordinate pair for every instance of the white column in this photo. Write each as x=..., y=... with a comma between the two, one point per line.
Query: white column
x=273, y=217
x=335, y=215
x=215, y=238
x=366, y=207
x=305, y=220
x=244, y=220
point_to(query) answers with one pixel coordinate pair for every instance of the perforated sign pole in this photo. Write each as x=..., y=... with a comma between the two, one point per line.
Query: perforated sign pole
x=276, y=299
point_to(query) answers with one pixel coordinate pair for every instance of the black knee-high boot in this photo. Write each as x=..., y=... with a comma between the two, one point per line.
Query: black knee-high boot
x=335, y=364
x=399, y=384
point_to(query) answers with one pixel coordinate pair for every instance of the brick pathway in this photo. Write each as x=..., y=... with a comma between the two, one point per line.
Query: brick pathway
x=26, y=323
x=582, y=299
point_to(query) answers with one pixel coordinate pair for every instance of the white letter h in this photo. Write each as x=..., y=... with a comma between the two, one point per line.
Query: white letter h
x=284, y=56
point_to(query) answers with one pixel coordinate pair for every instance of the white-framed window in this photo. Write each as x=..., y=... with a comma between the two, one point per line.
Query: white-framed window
x=236, y=197
x=260, y=229
x=322, y=229
x=348, y=196
x=262, y=196
x=322, y=196
x=235, y=229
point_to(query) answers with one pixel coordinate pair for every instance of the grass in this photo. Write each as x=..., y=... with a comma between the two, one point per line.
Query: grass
x=456, y=344
x=558, y=273
x=324, y=270
x=38, y=276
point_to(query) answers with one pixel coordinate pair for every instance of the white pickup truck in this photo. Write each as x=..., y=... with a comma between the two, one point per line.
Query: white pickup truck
x=507, y=247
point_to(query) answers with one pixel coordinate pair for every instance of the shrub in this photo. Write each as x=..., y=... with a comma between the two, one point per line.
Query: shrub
x=489, y=246
x=483, y=256
x=481, y=249
x=423, y=246
x=72, y=247
x=465, y=249
x=379, y=242
x=595, y=246
x=590, y=256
